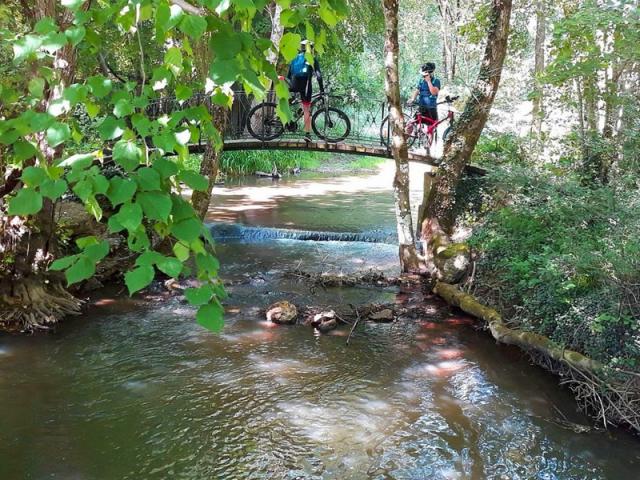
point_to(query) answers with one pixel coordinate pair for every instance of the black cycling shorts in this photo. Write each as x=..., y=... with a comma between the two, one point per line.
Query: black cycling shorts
x=302, y=86
x=431, y=112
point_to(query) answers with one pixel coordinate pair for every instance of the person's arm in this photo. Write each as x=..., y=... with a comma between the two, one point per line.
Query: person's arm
x=413, y=96
x=433, y=89
x=318, y=74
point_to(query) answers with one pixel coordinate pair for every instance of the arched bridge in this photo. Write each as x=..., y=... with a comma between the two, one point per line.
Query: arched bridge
x=365, y=115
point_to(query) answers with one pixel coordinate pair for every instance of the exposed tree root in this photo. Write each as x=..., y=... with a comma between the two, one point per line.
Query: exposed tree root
x=29, y=305
x=611, y=397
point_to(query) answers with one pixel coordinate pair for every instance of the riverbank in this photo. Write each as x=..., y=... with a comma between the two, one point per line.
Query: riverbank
x=555, y=257
x=238, y=164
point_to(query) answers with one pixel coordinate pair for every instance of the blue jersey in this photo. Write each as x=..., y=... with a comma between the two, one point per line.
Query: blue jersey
x=425, y=98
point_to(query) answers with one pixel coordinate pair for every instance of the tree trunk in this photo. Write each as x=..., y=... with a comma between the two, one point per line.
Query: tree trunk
x=409, y=261
x=31, y=299
x=438, y=222
x=448, y=27
x=537, y=112
x=210, y=162
x=277, y=30
x=211, y=157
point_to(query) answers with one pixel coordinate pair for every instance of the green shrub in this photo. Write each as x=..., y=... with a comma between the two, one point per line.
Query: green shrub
x=563, y=259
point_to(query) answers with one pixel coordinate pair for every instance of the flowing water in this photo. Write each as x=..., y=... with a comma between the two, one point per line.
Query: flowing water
x=134, y=389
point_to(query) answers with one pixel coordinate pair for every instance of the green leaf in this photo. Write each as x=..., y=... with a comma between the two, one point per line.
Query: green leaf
x=122, y=108
x=141, y=123
x=130, y=216
x=224, y=71
x=23, y=150
x=33, y=176
x=194, y=180
x=170, y=266
x=181, y=251
x=62, y=263
x=289, y=44
x=139, y=278
x=226, y=45
x=148, y=258
x=45, y=25
x=52, y=42
x=93, y=207
x=121, y=190
x=25, y=47
x=75, y=34
x=207, y=263
x=83, y=189
x=187, y=230
x=155, y=205
x=183, y=92
x=58, y=133
x=84, y=242
x=81, y=270
x=165, y=167
x=98, y=251
x=199, y=296
x=36, y=87
x=327, y=14
x=127, y=154
x=78, y=161
x=193, y=26
x=211, y=317
x=100, y=86
x=173, y=59
x=53, y=189
x=148, y=179
x=26, y=202
x=111, y=128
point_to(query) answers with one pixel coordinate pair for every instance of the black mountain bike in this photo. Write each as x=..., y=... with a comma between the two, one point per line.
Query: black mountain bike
x=329, y=123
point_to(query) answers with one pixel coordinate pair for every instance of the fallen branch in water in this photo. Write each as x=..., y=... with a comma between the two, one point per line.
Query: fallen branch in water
x=326, y=279
x=355, y=324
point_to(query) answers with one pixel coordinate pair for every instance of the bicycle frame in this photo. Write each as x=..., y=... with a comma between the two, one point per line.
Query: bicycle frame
x=420, y=121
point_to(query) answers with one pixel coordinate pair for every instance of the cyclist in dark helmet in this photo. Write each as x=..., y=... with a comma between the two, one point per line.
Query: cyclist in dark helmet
x=427, y=91
x=299, y=80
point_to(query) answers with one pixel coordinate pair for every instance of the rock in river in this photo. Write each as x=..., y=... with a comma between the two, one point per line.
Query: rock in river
x=282, y=312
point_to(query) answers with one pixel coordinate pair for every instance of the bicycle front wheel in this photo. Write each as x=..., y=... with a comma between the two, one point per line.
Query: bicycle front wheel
x=263, y=122
x=331, y=124
x=410, y=130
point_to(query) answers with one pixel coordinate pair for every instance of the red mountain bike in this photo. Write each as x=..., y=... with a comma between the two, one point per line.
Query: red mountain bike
x=419, y=127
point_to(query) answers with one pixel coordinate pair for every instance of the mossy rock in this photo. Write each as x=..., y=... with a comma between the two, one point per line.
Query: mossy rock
x=453, y=262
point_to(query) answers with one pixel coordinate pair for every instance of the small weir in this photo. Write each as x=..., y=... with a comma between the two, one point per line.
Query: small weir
x=225, y=232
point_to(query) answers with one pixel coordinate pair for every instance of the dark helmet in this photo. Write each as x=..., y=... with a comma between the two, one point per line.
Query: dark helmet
x=428, y=67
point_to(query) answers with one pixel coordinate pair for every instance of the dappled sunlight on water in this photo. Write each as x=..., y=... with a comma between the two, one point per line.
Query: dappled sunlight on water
x=135, y=390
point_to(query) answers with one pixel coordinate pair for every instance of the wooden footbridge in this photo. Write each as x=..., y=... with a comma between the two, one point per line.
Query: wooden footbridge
x=364, y=138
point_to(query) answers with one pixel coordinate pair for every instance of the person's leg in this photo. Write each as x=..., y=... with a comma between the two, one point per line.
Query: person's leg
x=306, y=110
x=306, y=106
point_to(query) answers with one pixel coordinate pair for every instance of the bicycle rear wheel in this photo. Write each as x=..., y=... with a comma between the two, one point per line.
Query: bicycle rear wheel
x=331, y=124
x=263, y=122
x=410, y=130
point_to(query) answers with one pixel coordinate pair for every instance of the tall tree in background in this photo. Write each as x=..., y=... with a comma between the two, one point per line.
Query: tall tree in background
x=409, y=261
x=438, y=210
x=449, y=14
x=537, y=111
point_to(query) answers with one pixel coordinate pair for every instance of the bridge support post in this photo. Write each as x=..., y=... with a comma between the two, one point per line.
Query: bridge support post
x=427, y=184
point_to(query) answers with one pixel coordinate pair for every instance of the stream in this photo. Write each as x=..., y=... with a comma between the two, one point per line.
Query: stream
x=135, y=389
